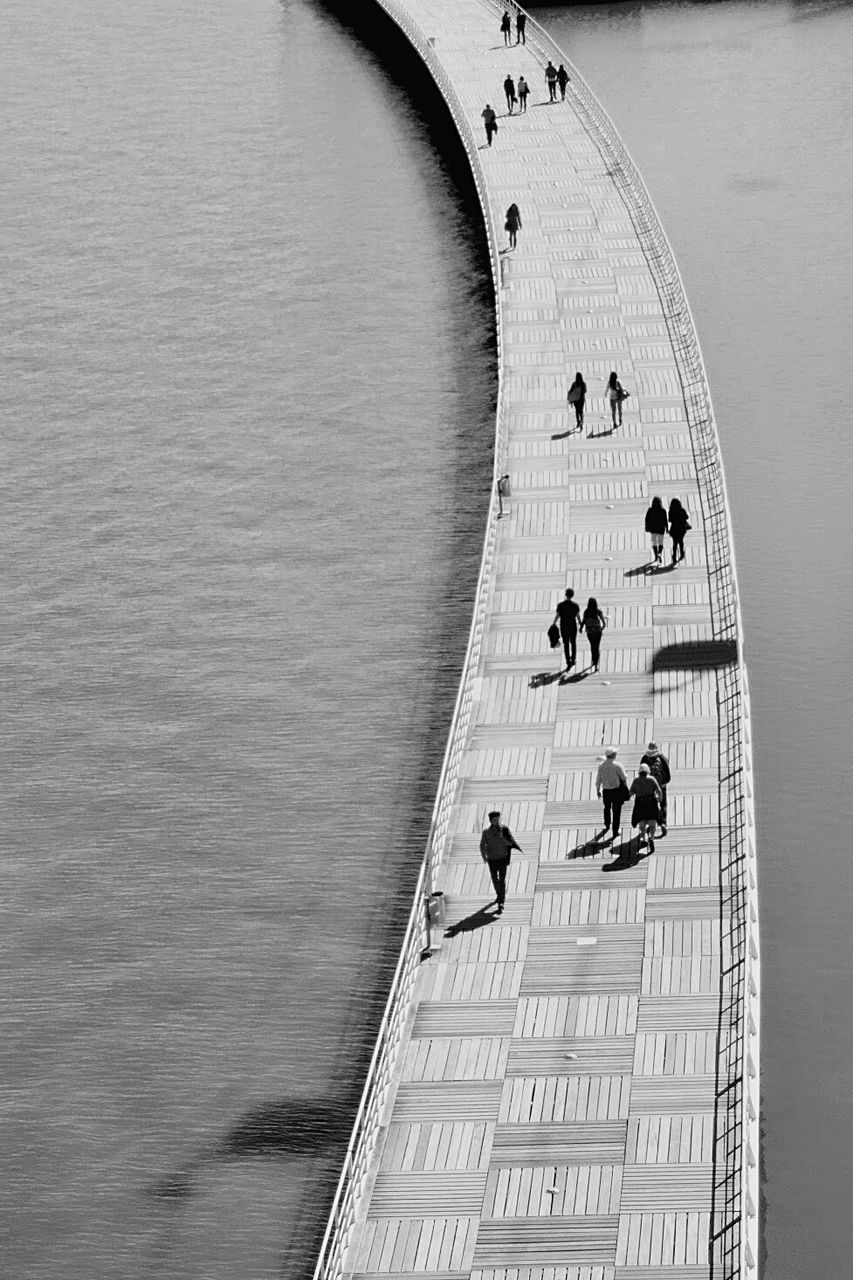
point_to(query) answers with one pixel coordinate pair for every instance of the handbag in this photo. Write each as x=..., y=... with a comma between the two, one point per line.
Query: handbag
x=624, y=792
x=553, y=635
x=622, y=394
x=575, y=394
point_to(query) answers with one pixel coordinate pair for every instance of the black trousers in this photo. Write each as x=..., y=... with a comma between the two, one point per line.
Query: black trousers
x=593, y=635
x=570, y=645
x=612, y=797
x=662, y=807
x=498, y=870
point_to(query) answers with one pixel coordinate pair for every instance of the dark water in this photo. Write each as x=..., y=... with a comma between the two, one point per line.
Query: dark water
x=248, y=411
x=247, y=452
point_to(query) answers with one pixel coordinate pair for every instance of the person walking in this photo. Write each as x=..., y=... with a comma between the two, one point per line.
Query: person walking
x=562, y=80
x=506, y=26
x=611, y=786
x=523, y=91
x=656, y=526
x=512, y=224
x=509, y=90
x=490, y=120
x=551, y=80
x=577, y=398
x=679, y=523
x=646, y=793
x=520, y=28
x=567, y=618
x=496, y=846
x=593, y=622
x=616, y=393
x=659, y=769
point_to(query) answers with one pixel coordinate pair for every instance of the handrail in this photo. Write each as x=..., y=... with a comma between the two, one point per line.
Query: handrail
x=367, y=1127
x=733, y=1237
x=734, y=1224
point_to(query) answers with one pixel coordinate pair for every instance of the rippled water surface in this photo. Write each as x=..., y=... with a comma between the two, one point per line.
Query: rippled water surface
x=247, y=418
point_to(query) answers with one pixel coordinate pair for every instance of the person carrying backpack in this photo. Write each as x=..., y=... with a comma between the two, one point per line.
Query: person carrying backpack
x=659, y=769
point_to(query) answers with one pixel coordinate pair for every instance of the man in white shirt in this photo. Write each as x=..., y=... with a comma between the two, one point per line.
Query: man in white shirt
x=609, y=783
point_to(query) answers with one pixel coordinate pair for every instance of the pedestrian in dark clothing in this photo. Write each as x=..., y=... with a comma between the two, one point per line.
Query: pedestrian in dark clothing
x=496, y=846
x=567, y=617
x=523, y=90
x=577, y=398
x=491, y=122
x=562, y=80
x=616, y=393
x=506, y=26
x=659, y=769
x=611, y=786
x=593, y=623
x=520, y=24
x=551, y=81
x=512, y=224
x=656, y=526
x=509, y=90
x=646, y=793
x=679, y=523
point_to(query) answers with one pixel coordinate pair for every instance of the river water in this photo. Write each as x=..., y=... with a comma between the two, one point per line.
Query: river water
x=248, y=415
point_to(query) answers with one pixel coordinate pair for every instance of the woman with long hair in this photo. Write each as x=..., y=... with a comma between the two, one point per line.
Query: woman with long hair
x=656, y=523
x=616, y=393
x=577, y=398
x=593, y=623
x=679, y=523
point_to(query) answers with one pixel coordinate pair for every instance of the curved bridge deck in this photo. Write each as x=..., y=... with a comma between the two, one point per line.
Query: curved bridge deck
x=553, y=1113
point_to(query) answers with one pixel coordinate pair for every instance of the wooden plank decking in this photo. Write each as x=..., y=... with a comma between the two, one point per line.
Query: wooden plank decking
x=553, y=1118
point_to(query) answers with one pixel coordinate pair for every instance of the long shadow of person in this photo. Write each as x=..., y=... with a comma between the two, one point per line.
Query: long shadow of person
x=474, y=921
x=543, y=677
x=627, y=855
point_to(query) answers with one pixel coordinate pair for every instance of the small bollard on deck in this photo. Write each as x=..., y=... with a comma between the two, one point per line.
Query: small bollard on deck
x=504, y=491
x=434, y=906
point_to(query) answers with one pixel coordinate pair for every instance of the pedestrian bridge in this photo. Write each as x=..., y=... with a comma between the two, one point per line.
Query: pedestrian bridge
x=569, y=1091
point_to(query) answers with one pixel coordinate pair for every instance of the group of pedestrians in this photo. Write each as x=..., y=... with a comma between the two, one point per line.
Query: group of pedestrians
x=520, y=25
x=568, y=621
x=658, y=522
x=648, y=790
x=517, y=96
x=615, y=394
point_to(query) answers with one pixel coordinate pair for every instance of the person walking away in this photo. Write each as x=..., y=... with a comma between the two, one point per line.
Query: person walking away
x=567, y=618
x=656, y=527
x=562, y=80
x=496, y=846
x=659, y=769
x=593, y=622
x=520, y=25
x=509, y=90
x=551, y=80
x=611, y=786
x=616, y=393
x=506, y=26
x=577, y=398
x=490, y=120
x=523, y=90
x=679, y=523
x=646, y=793
x=512, y=224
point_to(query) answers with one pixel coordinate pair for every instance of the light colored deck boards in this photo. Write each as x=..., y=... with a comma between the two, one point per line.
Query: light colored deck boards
x=553, y=1112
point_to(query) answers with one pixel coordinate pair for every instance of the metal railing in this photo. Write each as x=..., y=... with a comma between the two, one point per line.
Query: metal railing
x=733, y=1240
x=367, y=1128
x=734, y=1224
